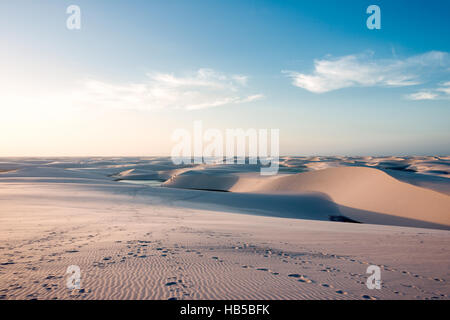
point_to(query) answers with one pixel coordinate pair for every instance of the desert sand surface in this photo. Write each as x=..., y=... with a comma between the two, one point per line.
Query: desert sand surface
x=224, y=231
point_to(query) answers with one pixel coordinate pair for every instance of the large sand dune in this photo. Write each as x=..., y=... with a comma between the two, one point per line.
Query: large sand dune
x=365, y=189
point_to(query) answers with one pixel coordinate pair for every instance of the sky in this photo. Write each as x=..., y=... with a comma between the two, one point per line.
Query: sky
x=138, y=70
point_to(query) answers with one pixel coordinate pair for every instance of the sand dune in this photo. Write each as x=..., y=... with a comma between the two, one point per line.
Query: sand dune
x=366, y=189
x=136, y=174
x=433, y=182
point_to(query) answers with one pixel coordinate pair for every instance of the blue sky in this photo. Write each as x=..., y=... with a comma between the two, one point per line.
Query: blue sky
x=310, y=68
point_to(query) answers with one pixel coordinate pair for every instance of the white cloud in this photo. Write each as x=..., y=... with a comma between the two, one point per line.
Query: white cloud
x=445, y=88
x=422, y=95
x=439, y=93
x=362, y=70
x=204, y=88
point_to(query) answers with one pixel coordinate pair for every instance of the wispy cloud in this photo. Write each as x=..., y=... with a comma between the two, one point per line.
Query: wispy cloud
x=439, y=93
x=363, y=70
x=422, y=95
x=204, y=88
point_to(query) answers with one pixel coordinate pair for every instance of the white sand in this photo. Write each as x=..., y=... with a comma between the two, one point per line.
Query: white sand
x=133, y=241
x=363, y=194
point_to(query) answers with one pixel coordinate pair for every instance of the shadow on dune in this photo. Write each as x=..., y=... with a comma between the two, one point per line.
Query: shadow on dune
x=200, y=180
x=312, y=206
x=435, y=183
x=371, y=217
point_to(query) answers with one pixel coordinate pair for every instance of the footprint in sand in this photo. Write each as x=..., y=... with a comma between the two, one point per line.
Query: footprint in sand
x=305, y=280
x=341, y=292
x=168, y=284
x=301, y=278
